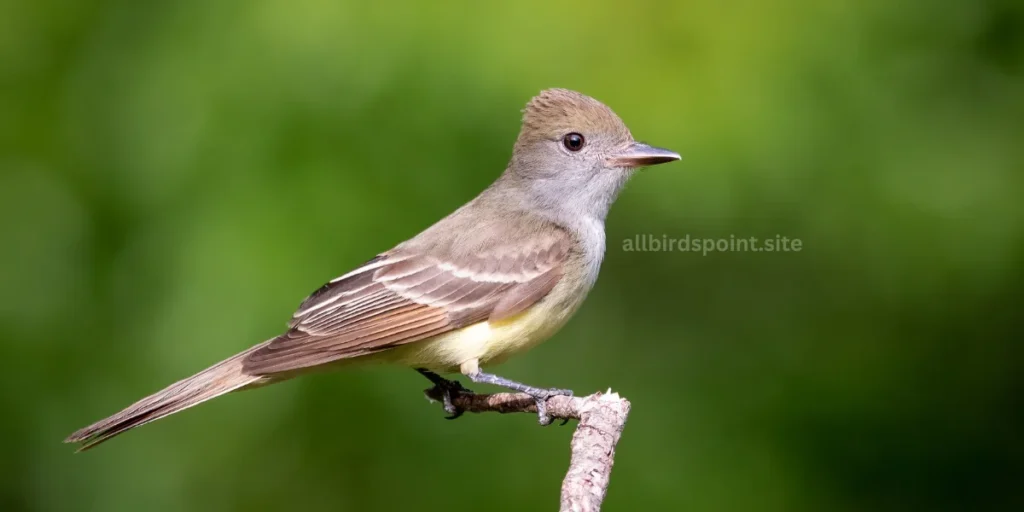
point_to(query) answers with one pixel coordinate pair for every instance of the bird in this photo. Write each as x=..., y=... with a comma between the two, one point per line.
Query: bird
x=494, y=278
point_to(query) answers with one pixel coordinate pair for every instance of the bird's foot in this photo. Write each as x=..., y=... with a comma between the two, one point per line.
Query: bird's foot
x=447, y=390
x=540, y=395
x=541, y=400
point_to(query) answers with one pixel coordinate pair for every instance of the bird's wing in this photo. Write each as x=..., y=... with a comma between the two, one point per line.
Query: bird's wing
x=404, y=296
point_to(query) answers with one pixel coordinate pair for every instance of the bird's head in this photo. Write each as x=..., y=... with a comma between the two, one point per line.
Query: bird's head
x=573, y=148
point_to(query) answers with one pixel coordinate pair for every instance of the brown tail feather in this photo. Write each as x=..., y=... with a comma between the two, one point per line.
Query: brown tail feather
x=221, y=378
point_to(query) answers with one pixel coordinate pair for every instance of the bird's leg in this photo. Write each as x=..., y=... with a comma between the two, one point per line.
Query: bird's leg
x=540, y=395
x=448, y=389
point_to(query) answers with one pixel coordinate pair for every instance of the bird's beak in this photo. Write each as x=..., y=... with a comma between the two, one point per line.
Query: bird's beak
x=638, y=154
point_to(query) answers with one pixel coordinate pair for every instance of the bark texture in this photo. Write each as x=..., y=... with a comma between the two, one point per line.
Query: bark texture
x=602, y=416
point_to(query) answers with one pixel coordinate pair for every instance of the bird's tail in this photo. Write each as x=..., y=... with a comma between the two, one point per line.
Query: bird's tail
x=223, y=377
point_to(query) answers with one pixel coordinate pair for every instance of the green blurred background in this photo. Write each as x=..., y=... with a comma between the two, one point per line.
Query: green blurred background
x=176, y=176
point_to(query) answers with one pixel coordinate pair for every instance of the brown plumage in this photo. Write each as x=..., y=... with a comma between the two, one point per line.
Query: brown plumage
x=498, y=275
x=408, y=295
x=221, y=378
x=399, y=297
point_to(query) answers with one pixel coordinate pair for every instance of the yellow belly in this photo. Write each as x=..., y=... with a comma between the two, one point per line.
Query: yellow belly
x=486, y=342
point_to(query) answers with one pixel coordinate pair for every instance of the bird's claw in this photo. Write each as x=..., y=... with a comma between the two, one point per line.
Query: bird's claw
x=448, y=391
x=541, y=399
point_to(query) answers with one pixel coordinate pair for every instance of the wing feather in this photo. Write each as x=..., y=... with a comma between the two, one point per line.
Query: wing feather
x=402, y=297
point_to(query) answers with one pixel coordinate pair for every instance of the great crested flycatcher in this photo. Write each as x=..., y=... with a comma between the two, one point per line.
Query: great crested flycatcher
x=499, y=275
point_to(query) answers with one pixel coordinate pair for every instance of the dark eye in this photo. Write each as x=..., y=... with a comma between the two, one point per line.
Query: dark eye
x=573, y=141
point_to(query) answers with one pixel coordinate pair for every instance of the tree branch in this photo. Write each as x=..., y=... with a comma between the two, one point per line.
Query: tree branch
x=602, y=416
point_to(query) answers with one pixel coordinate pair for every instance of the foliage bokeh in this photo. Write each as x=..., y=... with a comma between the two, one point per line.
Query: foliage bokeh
x=176, y=176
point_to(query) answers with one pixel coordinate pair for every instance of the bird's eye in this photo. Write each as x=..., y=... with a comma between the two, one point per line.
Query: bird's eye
x=573, y=141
